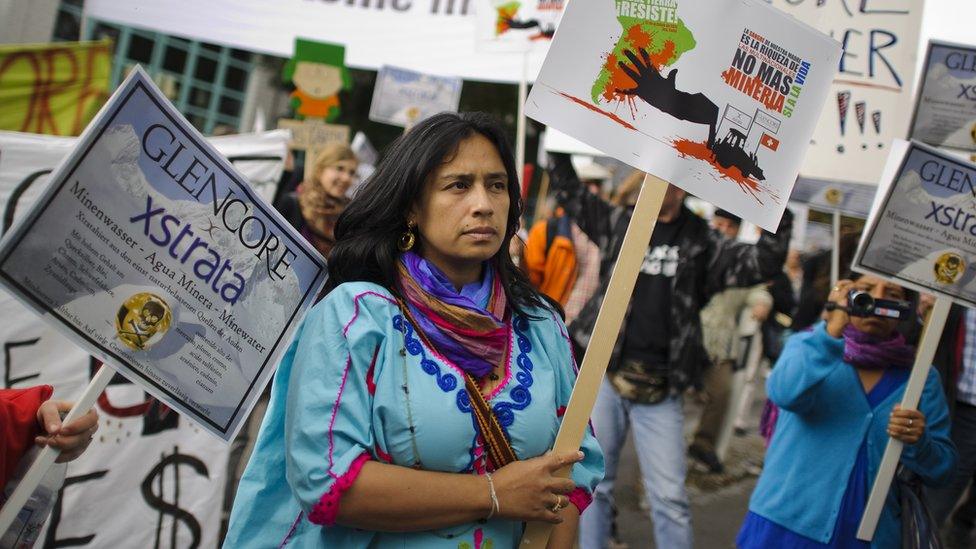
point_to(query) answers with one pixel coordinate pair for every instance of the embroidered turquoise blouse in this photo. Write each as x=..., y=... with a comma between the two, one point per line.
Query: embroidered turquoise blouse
x=356, y=385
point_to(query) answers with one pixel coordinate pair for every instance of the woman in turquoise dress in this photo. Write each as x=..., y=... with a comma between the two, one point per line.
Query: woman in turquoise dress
x=416, y=407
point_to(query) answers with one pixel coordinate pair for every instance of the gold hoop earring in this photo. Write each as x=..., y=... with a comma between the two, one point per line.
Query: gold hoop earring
x=407, y=239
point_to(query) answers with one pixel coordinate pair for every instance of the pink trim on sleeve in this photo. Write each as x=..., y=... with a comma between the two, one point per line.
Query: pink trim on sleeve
x=581, y=499
x=324, y=512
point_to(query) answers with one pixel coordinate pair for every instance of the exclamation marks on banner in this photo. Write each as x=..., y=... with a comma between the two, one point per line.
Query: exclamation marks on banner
x=843, y=101
x=876, y=122
x=860, y=111
x=860, y=115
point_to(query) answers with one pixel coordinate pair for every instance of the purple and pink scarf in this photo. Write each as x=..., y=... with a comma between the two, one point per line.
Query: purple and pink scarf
x=873, y=353
x=470, y=327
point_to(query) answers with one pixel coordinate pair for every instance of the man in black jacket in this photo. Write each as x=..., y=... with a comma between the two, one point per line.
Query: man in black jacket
x=659, y=352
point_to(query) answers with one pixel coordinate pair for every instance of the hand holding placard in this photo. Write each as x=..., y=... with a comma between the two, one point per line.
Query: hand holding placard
x=703, y=133
x=151, y=252
x=911, y=239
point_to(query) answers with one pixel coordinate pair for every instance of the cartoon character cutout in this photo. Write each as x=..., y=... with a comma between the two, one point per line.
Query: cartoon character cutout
x=319, y=73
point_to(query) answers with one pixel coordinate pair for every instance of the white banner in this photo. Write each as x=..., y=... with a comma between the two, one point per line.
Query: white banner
x=428, y=36
x=403, y=97
x=870, y=102
x=131, y=468
x=719, y=99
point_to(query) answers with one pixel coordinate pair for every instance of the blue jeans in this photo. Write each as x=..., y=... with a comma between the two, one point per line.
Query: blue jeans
x=659, y=439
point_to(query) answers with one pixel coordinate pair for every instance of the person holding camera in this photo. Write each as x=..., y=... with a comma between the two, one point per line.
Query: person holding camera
x=838, y=388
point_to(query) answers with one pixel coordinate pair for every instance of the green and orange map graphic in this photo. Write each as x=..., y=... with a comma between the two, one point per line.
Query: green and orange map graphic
x=665, y=43
x=652, y=39
x=506, y=12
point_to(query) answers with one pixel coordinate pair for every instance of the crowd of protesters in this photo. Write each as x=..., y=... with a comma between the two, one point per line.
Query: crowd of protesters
x=443, y=355
x=699, y=295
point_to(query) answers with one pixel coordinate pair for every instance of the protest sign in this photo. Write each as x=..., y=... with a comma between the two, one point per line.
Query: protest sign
x=311, y=135
x=718, y=99
x=517, y=25
x=140, y=441
x=945, y=113
x=848, y=198
x=150, y=251
x=403, y=97
x=731, y=128
x=871, y=97
x=921, y=234
x=54, y=88
x=922, y=229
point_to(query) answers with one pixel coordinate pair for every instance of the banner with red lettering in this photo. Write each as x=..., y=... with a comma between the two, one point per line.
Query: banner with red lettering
x=53, y=88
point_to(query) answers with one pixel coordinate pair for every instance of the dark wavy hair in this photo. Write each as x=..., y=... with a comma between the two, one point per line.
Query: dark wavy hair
x=368, y=230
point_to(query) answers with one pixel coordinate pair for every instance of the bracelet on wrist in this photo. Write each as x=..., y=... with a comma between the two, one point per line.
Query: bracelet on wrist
x=493, y=496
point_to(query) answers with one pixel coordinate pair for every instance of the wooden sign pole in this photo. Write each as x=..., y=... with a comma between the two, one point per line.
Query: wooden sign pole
x=540, y=200
x=835, y=249
x=520, y=123
x=605, y=332
x=913, y=393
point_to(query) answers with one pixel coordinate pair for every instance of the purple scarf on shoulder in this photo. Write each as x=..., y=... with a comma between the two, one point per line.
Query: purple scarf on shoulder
x=470, y=327
x=872, y=353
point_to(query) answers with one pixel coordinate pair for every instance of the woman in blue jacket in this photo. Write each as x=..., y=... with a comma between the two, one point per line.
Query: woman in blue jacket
x=837, y=387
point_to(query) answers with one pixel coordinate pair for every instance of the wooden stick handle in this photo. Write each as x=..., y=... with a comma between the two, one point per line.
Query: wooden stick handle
x=913, y=393
x=619, y=291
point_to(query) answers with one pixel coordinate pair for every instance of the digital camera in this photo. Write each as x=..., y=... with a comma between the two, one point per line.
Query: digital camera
x=863, y=304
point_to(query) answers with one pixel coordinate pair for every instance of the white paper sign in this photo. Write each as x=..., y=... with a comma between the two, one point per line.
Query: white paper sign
x=852, y=199
x=945, y=114
x=165, y=474
x=718, y=98
x=153, y=254
x=403, y=97
x=922, y=229
x=517, y=25
x=871, y=99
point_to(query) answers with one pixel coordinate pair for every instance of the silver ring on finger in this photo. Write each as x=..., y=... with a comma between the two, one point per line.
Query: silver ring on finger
x=910, y=421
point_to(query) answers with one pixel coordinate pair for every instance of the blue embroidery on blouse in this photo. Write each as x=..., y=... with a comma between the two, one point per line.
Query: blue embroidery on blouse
x=520, y=395
x=446, y=382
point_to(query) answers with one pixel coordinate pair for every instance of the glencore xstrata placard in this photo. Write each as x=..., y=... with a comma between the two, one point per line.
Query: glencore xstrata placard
x=152, y=253
x=922, y=228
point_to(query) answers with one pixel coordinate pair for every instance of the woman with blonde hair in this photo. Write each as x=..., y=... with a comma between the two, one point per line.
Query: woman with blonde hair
x=315, y=206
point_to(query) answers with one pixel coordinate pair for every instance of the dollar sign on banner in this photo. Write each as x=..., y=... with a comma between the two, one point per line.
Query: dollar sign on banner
x=158, y=500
